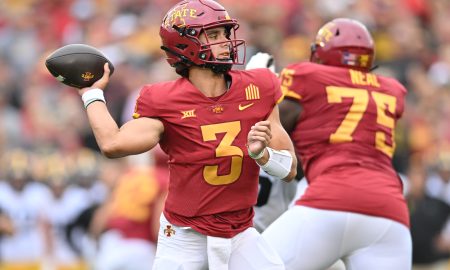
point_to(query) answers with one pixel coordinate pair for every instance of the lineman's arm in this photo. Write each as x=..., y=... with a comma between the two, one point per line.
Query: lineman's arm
x=134, y=137
x=290, y=113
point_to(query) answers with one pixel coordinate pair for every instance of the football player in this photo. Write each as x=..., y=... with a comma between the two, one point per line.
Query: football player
x=24, y=201
x=218, y=127
x=130, y=218
x=341, y=118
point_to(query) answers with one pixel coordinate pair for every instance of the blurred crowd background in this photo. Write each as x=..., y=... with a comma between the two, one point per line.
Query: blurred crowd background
x=45, y=138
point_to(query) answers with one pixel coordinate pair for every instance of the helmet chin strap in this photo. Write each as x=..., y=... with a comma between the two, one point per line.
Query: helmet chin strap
x=219, y=68
x=312, y=57
x=184, y=59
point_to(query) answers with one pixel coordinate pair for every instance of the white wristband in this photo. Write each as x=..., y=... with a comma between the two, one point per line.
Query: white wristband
x=279, y=164
x=92, y=95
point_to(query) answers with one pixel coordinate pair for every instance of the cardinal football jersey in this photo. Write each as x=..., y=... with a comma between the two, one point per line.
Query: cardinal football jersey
x=213, y=182
x=133, y=203
x=345, y=138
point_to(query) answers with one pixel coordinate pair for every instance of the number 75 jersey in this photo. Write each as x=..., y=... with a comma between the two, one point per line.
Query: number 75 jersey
x=345, y=136
x=205, y=139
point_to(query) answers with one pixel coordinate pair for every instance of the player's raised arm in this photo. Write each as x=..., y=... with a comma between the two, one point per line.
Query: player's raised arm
x=86, y=68
x=134, y=137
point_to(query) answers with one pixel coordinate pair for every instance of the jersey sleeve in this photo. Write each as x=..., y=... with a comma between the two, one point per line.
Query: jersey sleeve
x=294, y=79
x=278, y=93
x=290, y=83
x=145, y=105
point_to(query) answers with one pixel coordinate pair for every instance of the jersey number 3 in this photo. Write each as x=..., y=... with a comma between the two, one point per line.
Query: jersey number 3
x=358, y=108
x=224, y=149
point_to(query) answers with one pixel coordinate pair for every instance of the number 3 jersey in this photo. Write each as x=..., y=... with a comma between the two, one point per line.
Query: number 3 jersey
x=213, y=182
x=345, y=138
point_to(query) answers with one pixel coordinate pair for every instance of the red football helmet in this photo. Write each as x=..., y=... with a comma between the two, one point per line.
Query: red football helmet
x=180, y=31
x=344, y=42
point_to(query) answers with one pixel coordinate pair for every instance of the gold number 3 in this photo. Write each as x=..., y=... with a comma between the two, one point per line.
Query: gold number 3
x=224, y=149
x=358, y=108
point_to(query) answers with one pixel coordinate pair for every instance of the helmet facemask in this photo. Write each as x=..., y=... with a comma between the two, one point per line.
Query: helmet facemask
x=221, y=64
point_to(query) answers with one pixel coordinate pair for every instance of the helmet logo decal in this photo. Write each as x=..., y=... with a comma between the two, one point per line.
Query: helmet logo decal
x=227, y=17
x=364, y=60
x=324, y=35
x=177, y=16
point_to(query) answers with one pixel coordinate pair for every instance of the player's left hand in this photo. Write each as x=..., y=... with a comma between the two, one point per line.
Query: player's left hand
x=259, y=137
x=261, y=60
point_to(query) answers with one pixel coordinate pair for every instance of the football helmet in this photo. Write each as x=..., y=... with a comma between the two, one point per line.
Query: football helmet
x=16, y=167
x=344, y=42
x=182, y=27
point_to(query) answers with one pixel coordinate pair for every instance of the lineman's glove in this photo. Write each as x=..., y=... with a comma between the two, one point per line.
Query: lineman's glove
x=261, y=60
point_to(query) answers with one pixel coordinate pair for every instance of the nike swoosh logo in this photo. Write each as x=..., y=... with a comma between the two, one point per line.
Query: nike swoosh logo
x=243, y=107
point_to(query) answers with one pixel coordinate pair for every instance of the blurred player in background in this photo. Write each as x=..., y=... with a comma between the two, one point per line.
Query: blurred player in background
x=84, y=196
x=130, y=218
x=213, y=123
x=65, y=204
x=342, y=118
x=430, y=213
x=24, y=202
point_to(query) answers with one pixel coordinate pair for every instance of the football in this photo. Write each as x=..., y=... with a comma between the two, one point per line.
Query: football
x=77, y=65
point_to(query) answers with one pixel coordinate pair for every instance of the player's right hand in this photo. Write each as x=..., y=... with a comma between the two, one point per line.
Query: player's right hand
x=101, y=83
x=259, y=137
x=261, y=60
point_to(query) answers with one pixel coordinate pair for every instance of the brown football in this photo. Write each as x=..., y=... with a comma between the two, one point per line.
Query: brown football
x=77, y=65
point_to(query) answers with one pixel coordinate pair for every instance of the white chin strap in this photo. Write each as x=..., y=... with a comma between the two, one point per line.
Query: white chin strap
x=279, y=164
